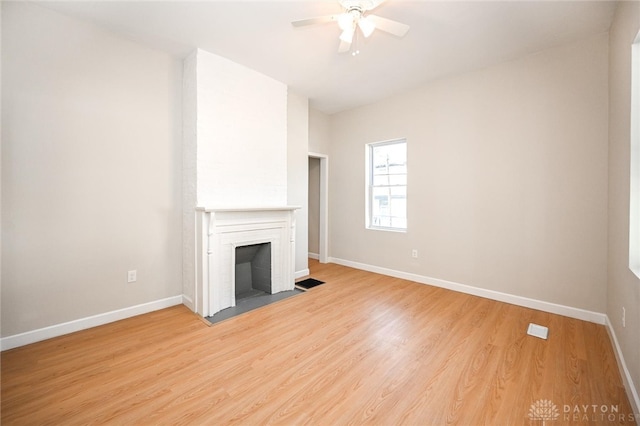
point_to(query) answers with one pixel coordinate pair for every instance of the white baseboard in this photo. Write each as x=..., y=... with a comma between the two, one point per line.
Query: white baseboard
x=188, y=302
x=632, y=392
x=568, y=311
x=315, y=256
x=303, y=273
x=33, y=336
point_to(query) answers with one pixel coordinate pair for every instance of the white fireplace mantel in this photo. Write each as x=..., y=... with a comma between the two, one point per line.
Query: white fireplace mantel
x=220, y=230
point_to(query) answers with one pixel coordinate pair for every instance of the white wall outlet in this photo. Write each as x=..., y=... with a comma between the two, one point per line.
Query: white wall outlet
x=132, y=276
x=414, y=253
x=624, y=317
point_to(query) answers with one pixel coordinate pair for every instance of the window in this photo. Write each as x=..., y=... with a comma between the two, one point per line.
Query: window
x=634, y=200
x=387, y=185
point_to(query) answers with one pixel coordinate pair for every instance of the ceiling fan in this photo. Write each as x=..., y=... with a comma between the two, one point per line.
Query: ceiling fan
x=356, y=16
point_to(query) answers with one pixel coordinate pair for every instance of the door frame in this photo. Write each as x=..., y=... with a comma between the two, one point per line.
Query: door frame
x=323, y=235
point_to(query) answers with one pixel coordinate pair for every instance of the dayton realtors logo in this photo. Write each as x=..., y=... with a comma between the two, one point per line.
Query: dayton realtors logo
x=596, y=413
x=545, y=410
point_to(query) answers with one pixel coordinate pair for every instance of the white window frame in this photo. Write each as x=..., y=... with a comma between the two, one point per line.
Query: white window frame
x=634, y=195
x=369, y=187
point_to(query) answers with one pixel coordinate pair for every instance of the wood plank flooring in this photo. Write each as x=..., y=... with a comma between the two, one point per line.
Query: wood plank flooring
x=361, y=349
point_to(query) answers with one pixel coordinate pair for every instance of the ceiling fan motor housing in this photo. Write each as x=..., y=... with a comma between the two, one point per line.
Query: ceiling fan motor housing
x=361, y=5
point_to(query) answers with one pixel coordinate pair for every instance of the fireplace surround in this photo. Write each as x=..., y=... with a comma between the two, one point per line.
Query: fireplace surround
x=219, y=231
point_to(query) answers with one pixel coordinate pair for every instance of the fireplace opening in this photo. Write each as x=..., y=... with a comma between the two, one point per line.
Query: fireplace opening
x=253, y=270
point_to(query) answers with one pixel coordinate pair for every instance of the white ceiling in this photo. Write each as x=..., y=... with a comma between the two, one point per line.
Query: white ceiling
x=446, y=37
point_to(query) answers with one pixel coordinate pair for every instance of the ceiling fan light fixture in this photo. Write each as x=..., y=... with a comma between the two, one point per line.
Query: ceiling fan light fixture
x=356, y=15
x=366, y=26
x=347, y=35
x=345, y=21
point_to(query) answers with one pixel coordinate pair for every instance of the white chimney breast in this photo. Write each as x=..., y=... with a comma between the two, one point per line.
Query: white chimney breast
x=241, y=135
x=234, y=147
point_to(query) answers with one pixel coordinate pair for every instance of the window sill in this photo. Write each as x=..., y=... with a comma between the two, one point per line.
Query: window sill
x=377, y=228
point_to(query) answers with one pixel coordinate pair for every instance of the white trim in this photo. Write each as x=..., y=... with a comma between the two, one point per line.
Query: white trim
x=315, y=256
x=33, y=336
x=568, y=311
x=303, y=273
x=188, y=302
x=634, y=165
x=634, y=399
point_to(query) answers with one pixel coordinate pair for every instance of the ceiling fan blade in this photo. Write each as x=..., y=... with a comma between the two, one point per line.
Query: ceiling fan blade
x=387, y=25
x=315, y=21
x=344, y=46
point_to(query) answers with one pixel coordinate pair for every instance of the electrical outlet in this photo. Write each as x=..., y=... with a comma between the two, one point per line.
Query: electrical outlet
x=132, y=276
x=624, y=317
x=414, y=253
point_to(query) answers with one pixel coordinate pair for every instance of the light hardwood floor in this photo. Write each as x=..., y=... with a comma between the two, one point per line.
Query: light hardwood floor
x=363, y=348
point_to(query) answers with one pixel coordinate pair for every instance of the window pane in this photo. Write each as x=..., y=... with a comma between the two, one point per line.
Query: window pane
x=379, y=180
x=398, y=179
x=393, y=153
x=398, y=168
x=398, y=191
x=389, y=180
x=380, y=202
x=399, y=222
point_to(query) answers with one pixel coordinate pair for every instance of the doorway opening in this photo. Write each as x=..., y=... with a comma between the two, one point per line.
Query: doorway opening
x=318, y=207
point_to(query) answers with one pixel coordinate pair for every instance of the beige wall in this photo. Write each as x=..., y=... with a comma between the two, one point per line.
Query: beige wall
x=624, y=287
x=319, y=133
x=507, y=178
x=91, y=171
